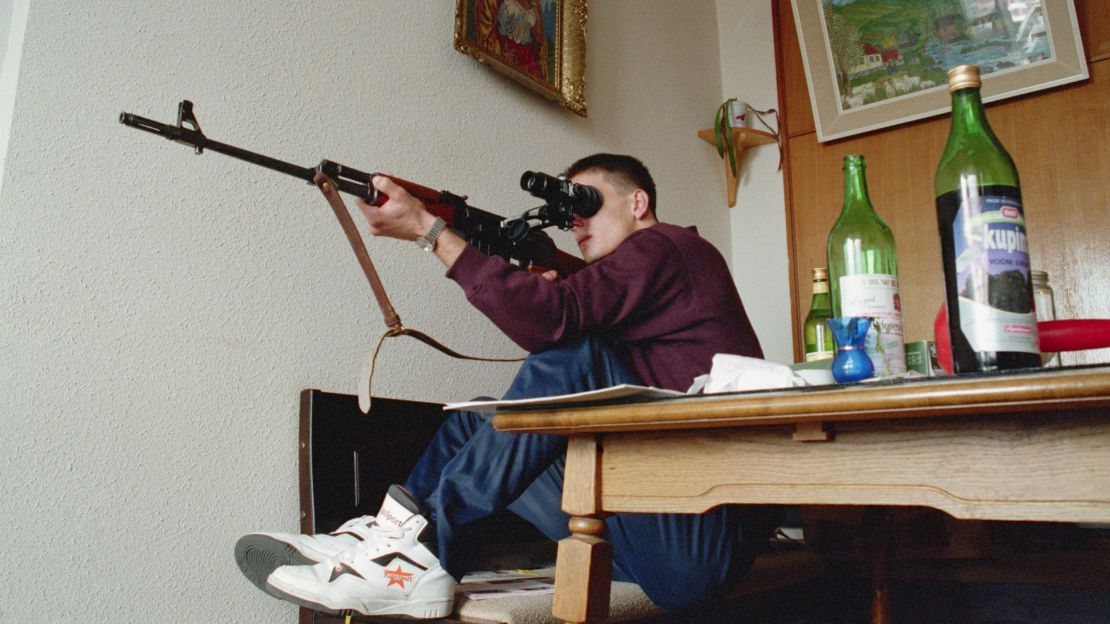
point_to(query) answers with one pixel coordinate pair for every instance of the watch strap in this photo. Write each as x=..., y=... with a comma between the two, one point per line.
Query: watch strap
x=427, y=242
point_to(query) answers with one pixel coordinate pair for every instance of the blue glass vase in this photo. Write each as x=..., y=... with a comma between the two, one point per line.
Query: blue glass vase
x=851, y=362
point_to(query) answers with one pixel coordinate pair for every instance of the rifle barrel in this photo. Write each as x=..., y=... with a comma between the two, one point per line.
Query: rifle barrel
x=197, y=139
x=483, y=229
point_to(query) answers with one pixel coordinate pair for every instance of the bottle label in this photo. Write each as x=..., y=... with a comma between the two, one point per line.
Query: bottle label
x=821, y=354
x=992, y=275
x=876, y=295
x=823, y=347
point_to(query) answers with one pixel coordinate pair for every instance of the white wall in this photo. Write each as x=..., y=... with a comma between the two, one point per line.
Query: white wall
x=160, y=311
x=13, y=19
x=760, y=264
x=5, y=24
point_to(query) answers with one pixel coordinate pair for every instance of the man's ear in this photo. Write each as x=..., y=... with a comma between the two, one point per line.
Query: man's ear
x=640, y=204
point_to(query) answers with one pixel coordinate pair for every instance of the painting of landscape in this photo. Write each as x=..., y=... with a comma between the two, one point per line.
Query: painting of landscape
x=882, y=50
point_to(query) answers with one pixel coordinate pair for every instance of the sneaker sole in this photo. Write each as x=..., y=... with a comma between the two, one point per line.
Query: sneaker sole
x=259, y=555
x=414, y=610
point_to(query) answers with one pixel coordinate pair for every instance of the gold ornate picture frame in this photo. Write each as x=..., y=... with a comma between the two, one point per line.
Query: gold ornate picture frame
x=872, y=64
x=540, y=44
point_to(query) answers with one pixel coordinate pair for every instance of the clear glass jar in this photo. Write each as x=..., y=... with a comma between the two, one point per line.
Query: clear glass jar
x=1045, y=303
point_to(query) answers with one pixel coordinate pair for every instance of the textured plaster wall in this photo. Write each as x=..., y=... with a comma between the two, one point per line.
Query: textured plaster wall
x=160, y=311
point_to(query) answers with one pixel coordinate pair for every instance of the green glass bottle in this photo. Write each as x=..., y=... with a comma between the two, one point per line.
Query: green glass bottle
x=818, y=339
x=984, y=250
x=863, y=271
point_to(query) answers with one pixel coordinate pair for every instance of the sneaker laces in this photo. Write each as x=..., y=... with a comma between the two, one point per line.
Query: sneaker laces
x=379, y=534
x=354, y=522
x=382, y=532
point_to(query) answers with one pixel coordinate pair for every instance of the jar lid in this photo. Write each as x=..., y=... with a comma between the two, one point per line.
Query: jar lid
x=963, y=77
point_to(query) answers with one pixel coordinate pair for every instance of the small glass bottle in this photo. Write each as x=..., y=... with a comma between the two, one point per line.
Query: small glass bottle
x=818, y=339
x=1044, y=302
x=863, y=271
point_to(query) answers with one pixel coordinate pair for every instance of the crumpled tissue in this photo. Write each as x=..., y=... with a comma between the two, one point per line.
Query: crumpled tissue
x=735, y=373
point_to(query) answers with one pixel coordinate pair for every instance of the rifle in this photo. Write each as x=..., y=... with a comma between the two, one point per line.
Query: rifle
x=490, y=233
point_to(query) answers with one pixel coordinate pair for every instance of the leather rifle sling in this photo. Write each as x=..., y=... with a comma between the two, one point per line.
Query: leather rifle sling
x=327, y=187
x=392, y=319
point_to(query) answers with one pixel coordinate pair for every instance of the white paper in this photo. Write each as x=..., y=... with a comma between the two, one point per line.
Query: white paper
x=604, y=394
x=485, y=585
x=736, y=373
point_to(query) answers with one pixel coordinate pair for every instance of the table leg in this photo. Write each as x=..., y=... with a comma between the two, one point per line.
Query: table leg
x=583, y=574
x=878, y=528
x=880, y=595
x=584, y=567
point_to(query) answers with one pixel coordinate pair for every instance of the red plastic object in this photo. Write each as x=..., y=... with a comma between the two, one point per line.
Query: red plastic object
x=943, y=341
x=1074, y=334
x=1055, y=336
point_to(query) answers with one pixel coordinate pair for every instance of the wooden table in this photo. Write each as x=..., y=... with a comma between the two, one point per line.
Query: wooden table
x=1031, y=446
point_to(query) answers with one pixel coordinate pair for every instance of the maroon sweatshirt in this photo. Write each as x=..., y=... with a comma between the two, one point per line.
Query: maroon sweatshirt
x=663, y=300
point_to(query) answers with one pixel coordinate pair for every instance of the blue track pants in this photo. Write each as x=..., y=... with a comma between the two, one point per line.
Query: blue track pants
x=471, y=470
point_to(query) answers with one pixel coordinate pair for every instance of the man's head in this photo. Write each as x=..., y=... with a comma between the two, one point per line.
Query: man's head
x=628, y=202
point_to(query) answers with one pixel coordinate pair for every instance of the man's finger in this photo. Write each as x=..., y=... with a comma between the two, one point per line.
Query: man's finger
x=386, y=185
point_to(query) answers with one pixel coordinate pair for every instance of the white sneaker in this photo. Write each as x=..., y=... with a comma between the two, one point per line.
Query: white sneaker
x=259, y=554
x=393, y=574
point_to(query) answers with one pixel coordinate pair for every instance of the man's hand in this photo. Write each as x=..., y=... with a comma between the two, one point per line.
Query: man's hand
x=405, y=217
x=401, y=216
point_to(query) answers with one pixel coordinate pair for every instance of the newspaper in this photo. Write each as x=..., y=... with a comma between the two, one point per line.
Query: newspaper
x=502, y=583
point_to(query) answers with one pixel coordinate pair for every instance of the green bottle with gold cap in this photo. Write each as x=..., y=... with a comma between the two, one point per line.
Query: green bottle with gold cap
x=984, y=249
x=819, y=343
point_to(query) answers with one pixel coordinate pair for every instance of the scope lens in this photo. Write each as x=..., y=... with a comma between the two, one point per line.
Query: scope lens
x=589, y=203
x=539, y=184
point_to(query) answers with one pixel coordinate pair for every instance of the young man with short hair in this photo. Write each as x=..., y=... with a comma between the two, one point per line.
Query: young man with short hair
x=653, y=305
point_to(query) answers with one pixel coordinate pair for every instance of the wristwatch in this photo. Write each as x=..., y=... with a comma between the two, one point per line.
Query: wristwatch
x=427, y=242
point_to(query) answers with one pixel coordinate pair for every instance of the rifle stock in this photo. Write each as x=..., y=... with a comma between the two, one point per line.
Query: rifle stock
x=484, y=230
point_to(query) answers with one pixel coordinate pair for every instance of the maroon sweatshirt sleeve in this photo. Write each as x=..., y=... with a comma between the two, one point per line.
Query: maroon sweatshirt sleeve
x=664, y=299
x=625, y=289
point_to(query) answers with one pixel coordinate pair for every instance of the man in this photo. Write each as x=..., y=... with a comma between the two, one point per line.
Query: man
x=653, y=305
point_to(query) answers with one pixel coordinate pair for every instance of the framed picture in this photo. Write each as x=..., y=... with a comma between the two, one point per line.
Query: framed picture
x=871, y=64
x=539, y=43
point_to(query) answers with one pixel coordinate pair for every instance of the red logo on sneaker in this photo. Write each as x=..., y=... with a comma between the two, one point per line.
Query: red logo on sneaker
x=397, y=577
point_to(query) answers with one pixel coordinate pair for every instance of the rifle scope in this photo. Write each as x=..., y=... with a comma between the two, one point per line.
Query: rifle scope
x=580, y=199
